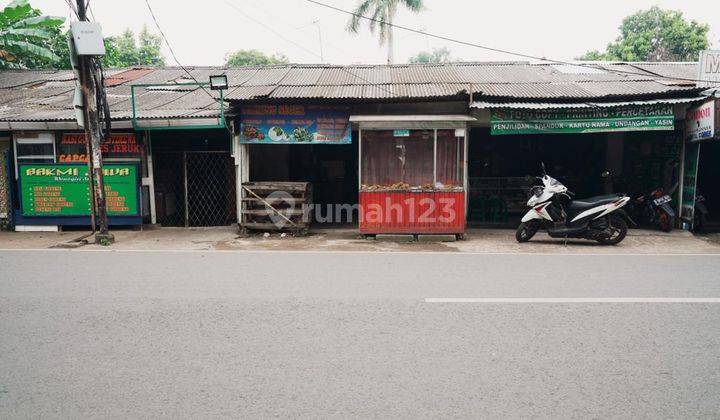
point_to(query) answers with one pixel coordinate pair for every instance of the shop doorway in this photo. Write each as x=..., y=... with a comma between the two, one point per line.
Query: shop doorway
x=194, y=177
x=638, y=162
x=708, y=179
x=195, y=189
x=498, y=167
x=331, y=169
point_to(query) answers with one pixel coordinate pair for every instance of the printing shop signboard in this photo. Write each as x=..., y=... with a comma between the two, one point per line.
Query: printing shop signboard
x=585, y=120
x=295, y=124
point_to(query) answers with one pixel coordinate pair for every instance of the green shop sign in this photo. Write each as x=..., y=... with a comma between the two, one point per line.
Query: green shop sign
x=582, y=120
x=63, y=190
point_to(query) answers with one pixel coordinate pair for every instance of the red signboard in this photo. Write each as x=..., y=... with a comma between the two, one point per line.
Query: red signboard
x=117, y=146
x=412, y=212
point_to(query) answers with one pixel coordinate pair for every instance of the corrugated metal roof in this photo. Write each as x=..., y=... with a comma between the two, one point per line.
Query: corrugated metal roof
x=573, y=105
x=516, y=79
x=32, y=95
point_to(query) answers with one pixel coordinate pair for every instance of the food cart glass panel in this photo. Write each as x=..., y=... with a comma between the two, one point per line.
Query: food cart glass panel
x=397, y=159
x=450, y=160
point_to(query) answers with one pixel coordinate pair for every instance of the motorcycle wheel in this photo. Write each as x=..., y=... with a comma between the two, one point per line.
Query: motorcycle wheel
x=699, y=221
x=665, y=222
x=526, y=230
x=619, y=230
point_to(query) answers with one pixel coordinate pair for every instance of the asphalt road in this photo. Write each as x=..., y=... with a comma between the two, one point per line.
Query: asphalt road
x=248, y=335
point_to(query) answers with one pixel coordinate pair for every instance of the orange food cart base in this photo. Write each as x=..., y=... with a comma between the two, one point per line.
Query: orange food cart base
x=410, y=212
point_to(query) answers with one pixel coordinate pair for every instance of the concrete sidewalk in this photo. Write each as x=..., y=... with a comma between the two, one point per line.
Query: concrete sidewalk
x=478, y=241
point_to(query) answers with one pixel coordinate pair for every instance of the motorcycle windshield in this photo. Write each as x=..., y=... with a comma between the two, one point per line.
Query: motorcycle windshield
x=551, y=182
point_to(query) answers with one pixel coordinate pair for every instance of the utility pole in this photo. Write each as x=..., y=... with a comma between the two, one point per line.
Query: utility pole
x=93, y=137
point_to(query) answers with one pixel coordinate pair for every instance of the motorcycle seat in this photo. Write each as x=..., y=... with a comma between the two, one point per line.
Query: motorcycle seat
x=577, y=206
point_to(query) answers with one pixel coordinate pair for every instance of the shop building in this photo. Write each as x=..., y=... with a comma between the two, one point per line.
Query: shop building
x=383, y=173
x=153, y=111
x=503, y=118
x=638, y=144
x=701, y=173
x=5, y=169
x=404, y=148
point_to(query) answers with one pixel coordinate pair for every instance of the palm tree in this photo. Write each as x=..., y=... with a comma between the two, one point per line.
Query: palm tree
x=382, y=13
x=25, y=35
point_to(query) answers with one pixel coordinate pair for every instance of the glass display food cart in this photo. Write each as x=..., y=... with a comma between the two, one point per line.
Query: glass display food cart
x=412, y=180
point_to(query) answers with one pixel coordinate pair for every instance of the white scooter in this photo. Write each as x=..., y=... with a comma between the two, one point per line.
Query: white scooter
x=554, y=210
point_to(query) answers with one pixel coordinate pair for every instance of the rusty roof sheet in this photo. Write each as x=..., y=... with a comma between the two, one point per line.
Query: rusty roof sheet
x=125, y=76
x=39, y=95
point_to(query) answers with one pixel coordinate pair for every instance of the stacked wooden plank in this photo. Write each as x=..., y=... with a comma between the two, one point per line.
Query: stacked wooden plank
x=276, y=206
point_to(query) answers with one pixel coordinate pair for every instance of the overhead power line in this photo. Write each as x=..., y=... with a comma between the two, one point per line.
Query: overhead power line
x=281, y=36
x=73, y=8
x=488, y=48
x=172, y=52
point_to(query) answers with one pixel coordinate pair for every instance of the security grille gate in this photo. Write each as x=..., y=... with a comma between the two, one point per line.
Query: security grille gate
x=195, y=188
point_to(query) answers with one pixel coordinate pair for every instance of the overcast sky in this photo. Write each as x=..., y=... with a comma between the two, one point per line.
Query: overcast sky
x=202, y=33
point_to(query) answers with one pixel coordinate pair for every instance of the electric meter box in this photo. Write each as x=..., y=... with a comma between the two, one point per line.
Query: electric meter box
x=88, y=38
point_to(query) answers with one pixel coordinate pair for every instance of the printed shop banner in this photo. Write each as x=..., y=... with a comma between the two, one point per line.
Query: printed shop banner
x=63, y=190
x=117, y=146
x=295, y=124
x=585, y=120
x=700, y=121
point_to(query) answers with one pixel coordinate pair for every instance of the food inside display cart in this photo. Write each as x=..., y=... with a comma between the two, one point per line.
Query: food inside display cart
x=402, y=186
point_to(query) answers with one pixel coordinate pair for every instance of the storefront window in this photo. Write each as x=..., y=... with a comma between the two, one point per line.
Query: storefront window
x=35, y=148
x=397, y=159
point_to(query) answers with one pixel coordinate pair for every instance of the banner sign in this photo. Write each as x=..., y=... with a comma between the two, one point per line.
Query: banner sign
x=700, y=122
x=63, y=190
x=117, y=146
x=295, y=124
x=585, y=120
x=709, y=69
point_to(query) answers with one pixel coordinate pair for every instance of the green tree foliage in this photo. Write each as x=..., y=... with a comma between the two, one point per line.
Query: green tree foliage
x=149, y=49
x=438, y=55
x=253, y=58
x=655, y=35
x=382, y=12
x=123, y=50
x=26, y=36
x=59, y=45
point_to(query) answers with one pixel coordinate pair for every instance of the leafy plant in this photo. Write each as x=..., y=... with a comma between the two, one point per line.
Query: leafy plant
x=124, y=51
x=25, y=35
x=655, y=35
x=438, y=55
x=253, y=58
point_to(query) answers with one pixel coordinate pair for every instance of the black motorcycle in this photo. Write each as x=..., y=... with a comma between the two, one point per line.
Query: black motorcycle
x=654, y=209
x=700, y=214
